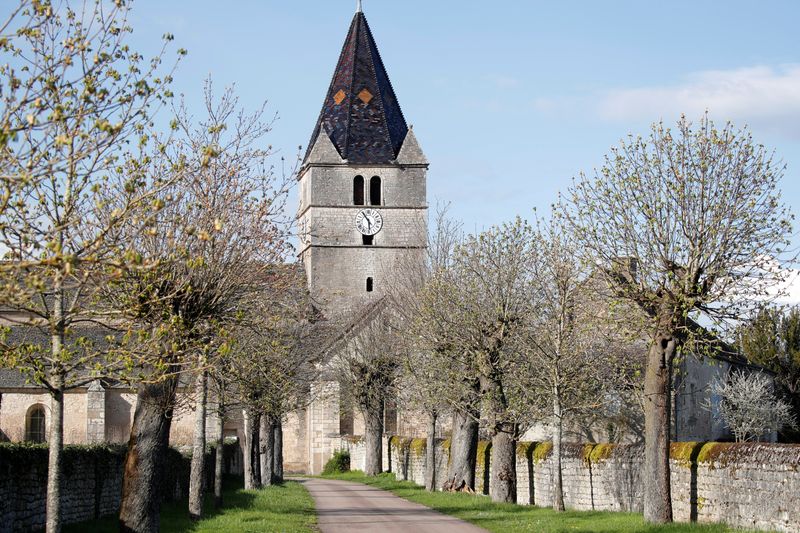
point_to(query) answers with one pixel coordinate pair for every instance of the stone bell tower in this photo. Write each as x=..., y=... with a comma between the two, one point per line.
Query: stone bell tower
x=363, y=208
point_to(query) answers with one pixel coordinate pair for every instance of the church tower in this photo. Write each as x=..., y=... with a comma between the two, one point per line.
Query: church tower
x=363, y=208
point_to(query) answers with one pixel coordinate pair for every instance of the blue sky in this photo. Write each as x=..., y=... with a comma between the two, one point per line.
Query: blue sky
x=512, y=99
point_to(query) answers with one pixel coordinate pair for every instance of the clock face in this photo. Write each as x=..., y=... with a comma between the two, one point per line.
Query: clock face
x=369, y=222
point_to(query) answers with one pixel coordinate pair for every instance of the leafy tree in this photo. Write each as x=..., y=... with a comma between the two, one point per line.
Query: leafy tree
x=478, y=306
x=567, y=341
x=222, y=228
x=772, y=340
x=77, y=101
x=273, y=362
x=431, y=381
x=699, y=214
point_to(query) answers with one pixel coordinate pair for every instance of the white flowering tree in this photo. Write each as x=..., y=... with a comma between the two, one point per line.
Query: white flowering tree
x=749, y=406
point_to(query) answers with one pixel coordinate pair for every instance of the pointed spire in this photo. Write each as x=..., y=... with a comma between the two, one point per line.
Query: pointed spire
x=358, y=7
x=361, y=113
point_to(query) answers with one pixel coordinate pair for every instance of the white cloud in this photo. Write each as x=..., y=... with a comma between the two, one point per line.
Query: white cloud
x=762, y=96
x=791, y=289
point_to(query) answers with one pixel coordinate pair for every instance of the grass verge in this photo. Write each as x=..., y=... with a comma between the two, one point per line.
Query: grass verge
x=509, y=518
x=287, y=507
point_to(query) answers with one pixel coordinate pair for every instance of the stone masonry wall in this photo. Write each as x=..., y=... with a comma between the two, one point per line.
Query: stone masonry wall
x=92, y=483
x=744, y=485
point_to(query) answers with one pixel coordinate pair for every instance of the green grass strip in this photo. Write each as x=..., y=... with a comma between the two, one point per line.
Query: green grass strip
x=283, y=508
x=509, y=518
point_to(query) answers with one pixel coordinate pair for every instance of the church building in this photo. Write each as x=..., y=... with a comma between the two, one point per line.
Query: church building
x=363, y=217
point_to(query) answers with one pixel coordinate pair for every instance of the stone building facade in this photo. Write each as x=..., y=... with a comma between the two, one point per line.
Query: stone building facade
x=362, y=215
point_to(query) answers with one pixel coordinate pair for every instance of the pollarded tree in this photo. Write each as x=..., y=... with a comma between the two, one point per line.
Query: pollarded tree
x=444, y=372
x=433, y=381
x=223, y=226
x=482, y=305
x=273, y=362
x=569, y=341
x=367, y=360
x=699, y=214
x=76, y=103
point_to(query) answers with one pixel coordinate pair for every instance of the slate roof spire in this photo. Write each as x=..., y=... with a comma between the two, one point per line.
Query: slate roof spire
x=361, y=114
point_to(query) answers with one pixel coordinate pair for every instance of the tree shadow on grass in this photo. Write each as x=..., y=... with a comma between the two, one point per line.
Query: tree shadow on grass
x=175, y=514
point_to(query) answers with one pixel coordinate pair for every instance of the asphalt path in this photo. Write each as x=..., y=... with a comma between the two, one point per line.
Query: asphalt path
x=343, y=506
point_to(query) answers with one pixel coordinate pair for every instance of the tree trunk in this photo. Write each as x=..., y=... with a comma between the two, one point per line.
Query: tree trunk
x=56, y=437
x=558, y=488
x=142, y=484
x=266, y=443
x=657, y=384
x=250, y=452
x=219, y=457
x=430, y=453
x=373, y=440
x=197, y=472
x=503, y=484
x=255, y=452
x=277, y=469
x=463, y=453
x=54, y=457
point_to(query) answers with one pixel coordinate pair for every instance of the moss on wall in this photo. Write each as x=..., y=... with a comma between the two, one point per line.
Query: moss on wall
x=723, y=452
x=684, y=453
x=418, y=447
x=525, y=449
x=586, y=453
x=484, y=448
x=399, y=444
x=542, y=452
x=601, y=452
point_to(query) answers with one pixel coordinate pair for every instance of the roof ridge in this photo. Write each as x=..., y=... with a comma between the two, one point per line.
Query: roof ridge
x=346, y=145
x=371, y=40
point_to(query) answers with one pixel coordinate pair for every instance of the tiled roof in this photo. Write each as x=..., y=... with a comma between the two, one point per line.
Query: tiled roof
x=361, y=113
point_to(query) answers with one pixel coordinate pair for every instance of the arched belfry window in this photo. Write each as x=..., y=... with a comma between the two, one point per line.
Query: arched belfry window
x=358, y=190
x=35, y=424
x=375, y=191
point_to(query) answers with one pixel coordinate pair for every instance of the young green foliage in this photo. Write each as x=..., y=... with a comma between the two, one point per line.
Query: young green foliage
x=684, y=223
x=77, y=102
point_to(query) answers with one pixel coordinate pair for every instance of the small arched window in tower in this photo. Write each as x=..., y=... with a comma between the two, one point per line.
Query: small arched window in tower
x=370, y=285
x=375, y=191
x=358, y=190
x=368, y=240
x=35, y=424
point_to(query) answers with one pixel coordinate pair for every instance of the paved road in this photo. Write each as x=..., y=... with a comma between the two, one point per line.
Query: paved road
x=343, y=506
